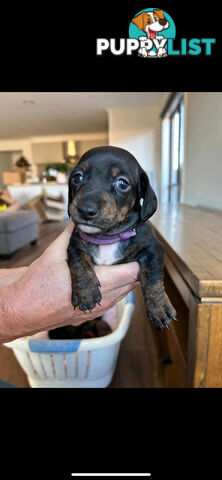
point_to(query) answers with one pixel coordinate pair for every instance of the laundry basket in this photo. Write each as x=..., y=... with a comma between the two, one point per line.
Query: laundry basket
x=74, y=363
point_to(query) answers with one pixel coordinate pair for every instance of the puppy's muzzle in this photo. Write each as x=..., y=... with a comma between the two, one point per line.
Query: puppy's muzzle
x=88, y=211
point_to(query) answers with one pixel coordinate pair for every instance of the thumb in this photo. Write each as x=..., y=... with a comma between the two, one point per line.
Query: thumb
x=58, y=248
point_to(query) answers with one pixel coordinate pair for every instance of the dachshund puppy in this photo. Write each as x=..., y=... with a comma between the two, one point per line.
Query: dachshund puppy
x=91, y=329
x=110, y=200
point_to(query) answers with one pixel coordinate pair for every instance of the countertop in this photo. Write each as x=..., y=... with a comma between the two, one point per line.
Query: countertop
x=193, y=239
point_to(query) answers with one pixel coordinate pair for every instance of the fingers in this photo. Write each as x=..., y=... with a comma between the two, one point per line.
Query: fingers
x=59, y=247
x=116, y=276
x=62, y=240
x=123, y=291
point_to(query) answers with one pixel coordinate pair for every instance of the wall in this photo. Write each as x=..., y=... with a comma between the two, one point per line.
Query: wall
x=19, y=147
x=139, y=131
x=85, y=145
x=47, y=153
x=5, y=164
x=202, y=184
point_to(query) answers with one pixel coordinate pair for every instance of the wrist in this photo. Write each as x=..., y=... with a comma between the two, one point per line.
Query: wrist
x=7, y=316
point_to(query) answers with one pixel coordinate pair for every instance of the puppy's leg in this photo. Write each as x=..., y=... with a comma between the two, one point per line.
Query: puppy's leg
x=159, y=308
x=85, y=284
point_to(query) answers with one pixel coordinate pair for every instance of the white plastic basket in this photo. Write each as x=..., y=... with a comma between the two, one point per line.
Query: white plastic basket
x=74, y=363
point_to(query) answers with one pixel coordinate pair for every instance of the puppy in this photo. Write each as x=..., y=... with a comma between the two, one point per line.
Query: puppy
x=151, y=22
x=106, y=190
x=93, y=328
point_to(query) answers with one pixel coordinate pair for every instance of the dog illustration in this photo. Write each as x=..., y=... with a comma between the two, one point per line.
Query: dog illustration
x=152, y=23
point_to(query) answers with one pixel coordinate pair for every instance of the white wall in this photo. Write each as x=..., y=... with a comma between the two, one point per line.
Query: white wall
x=139, y=131
x=47, y=153
x=85, y=145
x=202, y=179
x=22, y=146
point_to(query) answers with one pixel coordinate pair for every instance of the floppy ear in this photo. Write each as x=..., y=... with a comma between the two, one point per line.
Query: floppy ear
x=159, y=13
x=69, y=193
x=149, y=197
x=139, y=20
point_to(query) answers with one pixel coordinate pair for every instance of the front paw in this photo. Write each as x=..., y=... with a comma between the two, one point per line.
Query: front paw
x=161, y=312
x=87, y=297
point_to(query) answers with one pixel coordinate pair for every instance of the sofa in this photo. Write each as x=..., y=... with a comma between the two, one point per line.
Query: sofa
x=17, y=229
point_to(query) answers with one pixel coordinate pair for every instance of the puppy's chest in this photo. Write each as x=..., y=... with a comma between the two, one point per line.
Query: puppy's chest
x=107, y=254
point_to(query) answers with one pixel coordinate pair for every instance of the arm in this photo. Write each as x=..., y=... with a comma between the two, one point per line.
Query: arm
x=41, y=298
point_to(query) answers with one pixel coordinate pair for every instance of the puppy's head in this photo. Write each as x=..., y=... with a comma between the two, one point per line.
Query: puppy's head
x=151, y=21
x=105, y=191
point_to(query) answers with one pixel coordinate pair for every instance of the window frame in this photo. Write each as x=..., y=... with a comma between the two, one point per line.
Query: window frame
x=171, y=185
x=175, y=103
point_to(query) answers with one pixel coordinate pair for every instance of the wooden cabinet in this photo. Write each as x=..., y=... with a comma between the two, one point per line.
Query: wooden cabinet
x=192, y=348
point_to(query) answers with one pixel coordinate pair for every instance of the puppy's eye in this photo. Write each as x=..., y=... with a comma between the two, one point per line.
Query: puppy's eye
x=77, y=178
x=122, y=184
x=156, y=19
x=149, y=20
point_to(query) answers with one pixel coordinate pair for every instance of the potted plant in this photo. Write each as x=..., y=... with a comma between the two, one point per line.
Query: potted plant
x=22, y=164
x=62, y=170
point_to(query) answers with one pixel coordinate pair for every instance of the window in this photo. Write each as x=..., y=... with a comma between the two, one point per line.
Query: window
x=176, y=153
x=172, y=149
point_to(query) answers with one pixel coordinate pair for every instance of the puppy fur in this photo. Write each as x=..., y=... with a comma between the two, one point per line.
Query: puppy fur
x=106, y=190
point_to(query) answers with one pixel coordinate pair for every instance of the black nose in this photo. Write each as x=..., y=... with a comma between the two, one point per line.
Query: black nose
x=163, y=22
x=88, y=211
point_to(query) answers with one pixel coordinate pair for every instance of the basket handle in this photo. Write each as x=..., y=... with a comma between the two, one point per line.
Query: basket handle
x=130, y=298
x=54, y=346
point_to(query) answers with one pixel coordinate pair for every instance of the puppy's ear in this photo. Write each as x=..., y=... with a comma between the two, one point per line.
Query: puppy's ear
x=70, y=197
x=149, y=197
x=159, y=13
x=140, y=20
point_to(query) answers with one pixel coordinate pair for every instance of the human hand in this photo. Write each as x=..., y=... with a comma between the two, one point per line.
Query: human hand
x=9, y=275
x=41, y=298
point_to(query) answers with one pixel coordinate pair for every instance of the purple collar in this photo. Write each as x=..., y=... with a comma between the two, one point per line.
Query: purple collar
x=106, y=239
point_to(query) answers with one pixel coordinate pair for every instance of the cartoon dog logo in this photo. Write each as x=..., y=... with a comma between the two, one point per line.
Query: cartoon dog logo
x=152, y=23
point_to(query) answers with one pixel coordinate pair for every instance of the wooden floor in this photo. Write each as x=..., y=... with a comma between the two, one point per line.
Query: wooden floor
x=139, y=364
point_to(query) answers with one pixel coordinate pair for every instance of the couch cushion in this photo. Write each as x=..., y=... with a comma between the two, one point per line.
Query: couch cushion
x=12, y=221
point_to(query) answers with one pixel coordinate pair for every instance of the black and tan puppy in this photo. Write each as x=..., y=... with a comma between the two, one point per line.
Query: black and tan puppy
x=105, y=193
x=91, y=329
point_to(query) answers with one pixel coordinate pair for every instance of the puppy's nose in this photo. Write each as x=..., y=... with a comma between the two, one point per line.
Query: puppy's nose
x=88, y=211
x=163, y=22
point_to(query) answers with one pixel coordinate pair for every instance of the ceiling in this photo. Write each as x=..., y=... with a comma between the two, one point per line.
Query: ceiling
x=29, y=114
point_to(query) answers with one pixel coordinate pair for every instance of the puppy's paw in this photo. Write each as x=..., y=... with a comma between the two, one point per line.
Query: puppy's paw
x=86, y=298
x=161, y=313
x=162, y=51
